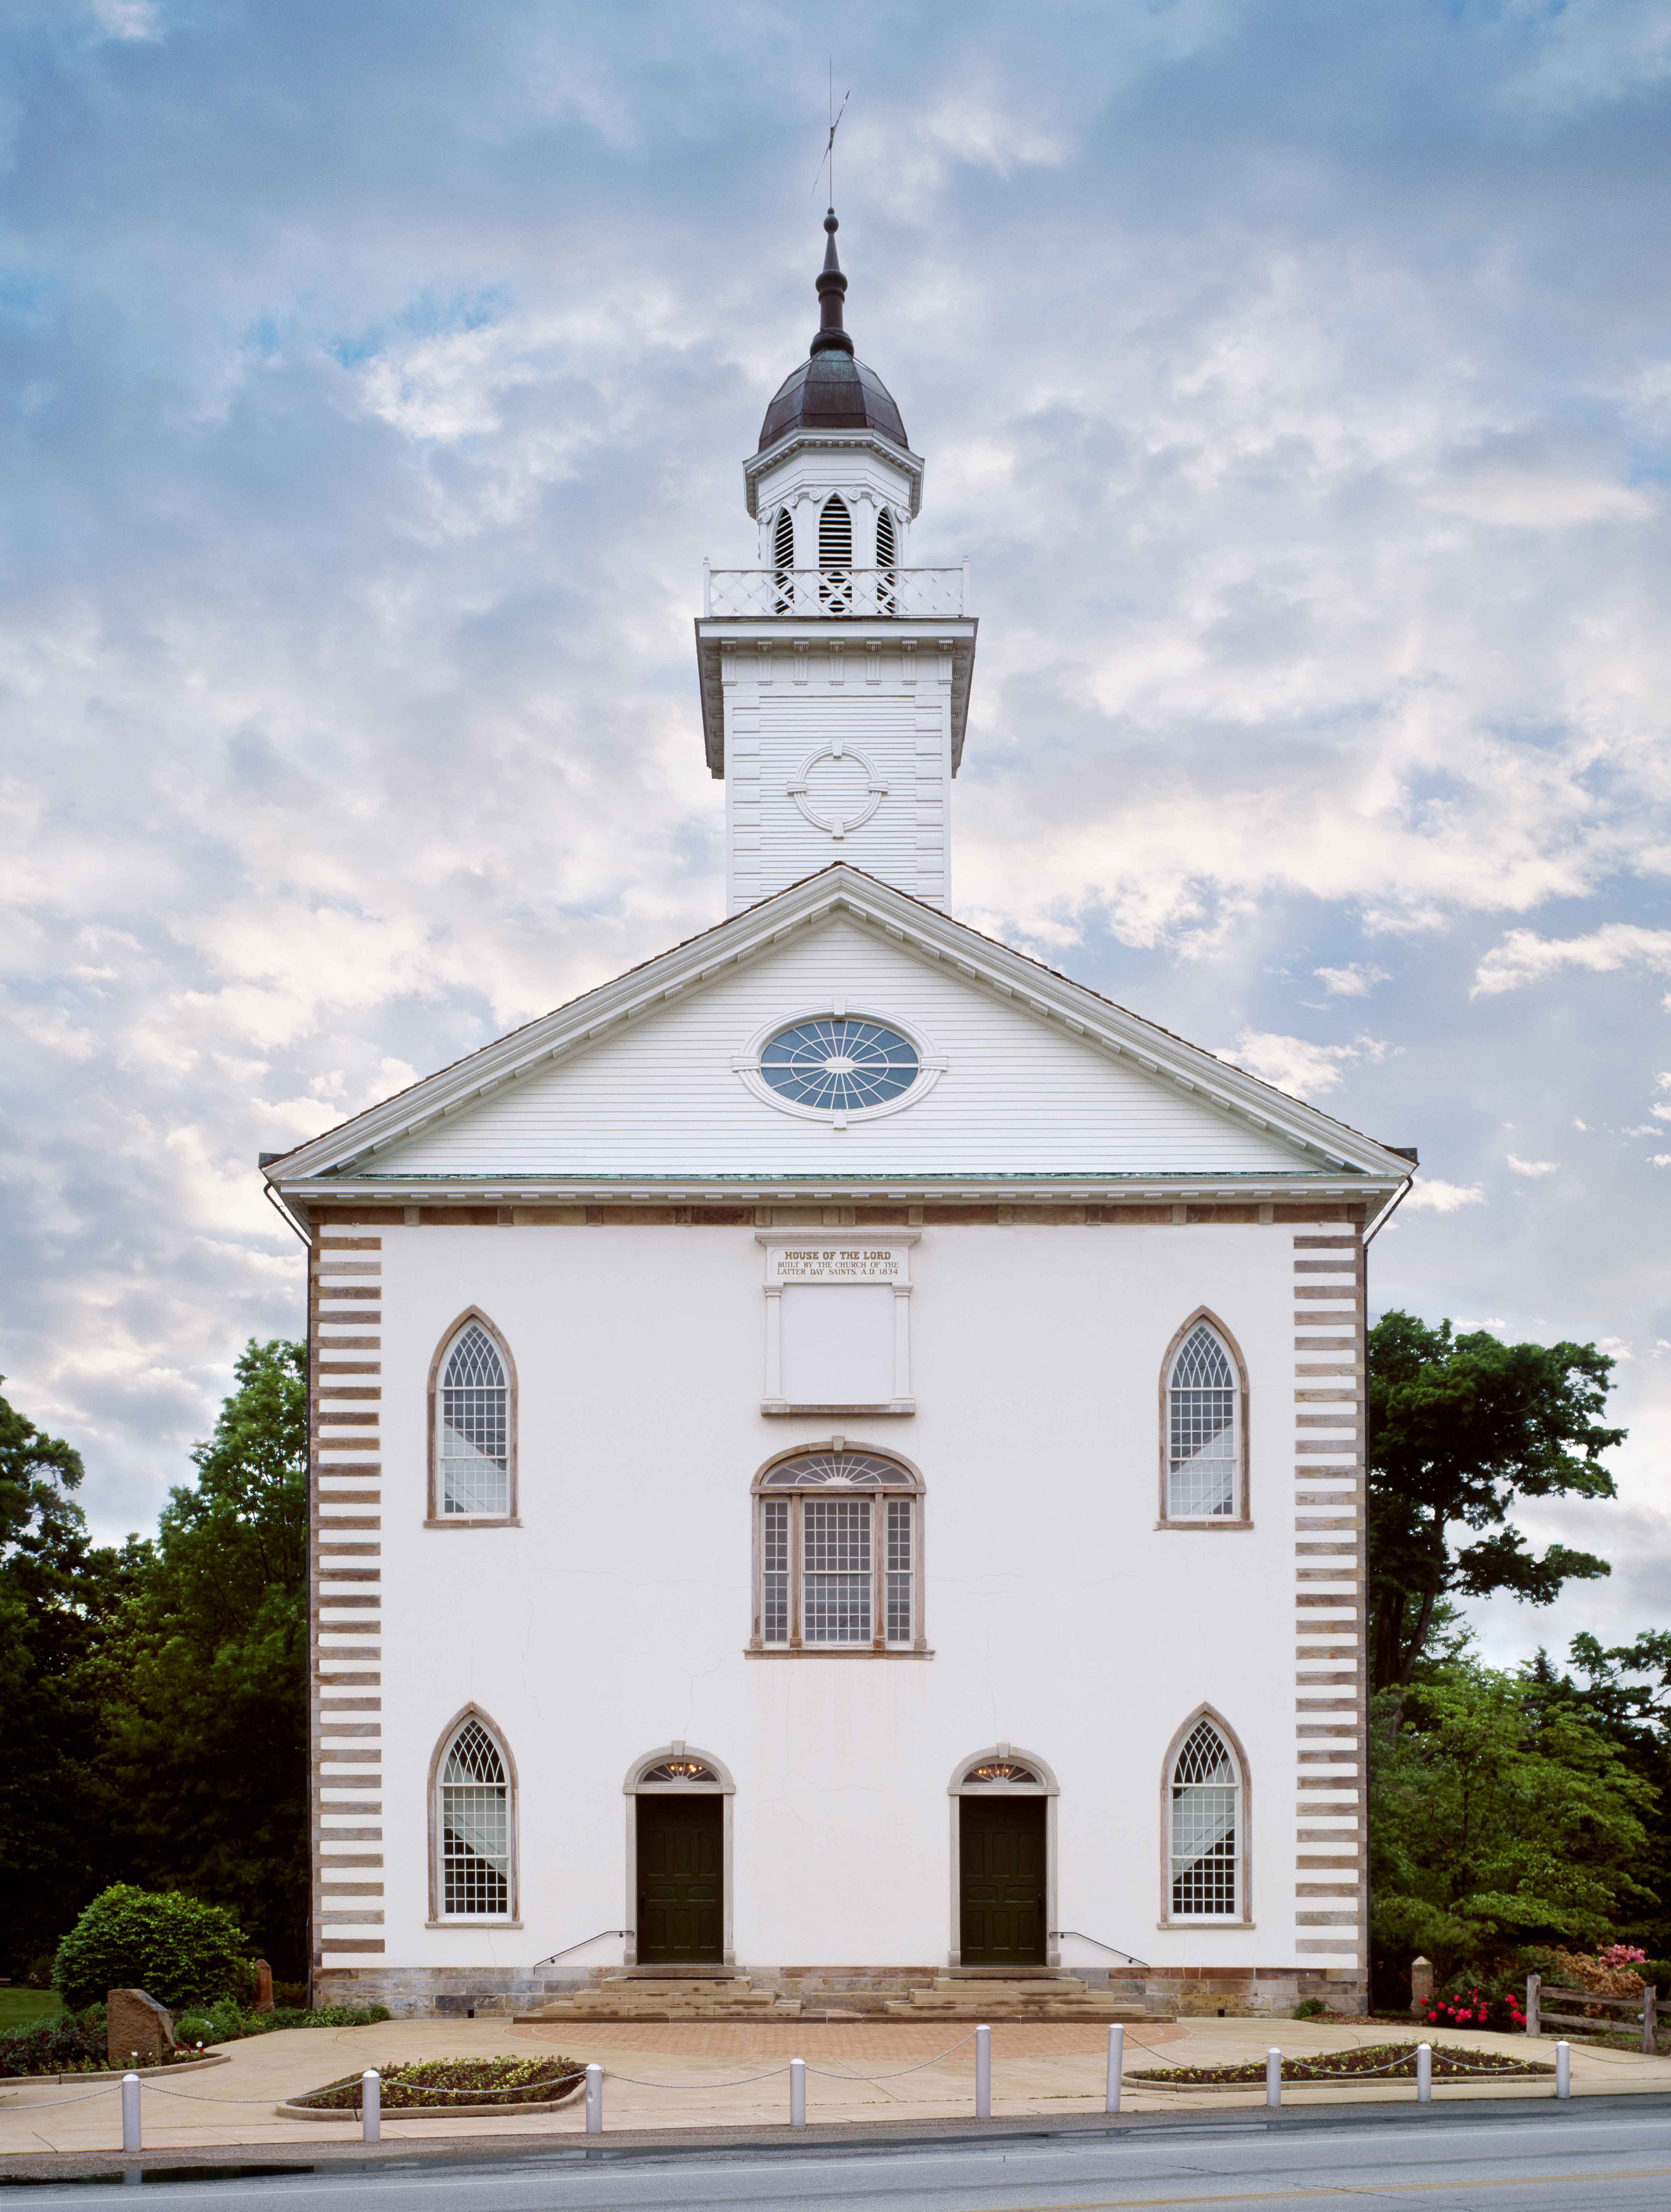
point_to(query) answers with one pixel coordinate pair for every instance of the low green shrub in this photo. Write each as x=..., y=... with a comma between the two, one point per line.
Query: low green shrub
x=55, y=2046
x=1309, y=2008
x=179, y=1951
x=1479, y=2001
x=226, y=2022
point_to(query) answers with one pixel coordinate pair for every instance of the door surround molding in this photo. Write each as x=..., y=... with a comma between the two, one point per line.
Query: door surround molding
x=960, y=1787
x=721, y=1786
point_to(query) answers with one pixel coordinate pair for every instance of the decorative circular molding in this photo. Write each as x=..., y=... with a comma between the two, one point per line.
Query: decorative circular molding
x=931, y=1065
x=867, y=788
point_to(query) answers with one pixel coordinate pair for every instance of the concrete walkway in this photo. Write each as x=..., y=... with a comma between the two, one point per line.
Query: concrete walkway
x=686, y=2077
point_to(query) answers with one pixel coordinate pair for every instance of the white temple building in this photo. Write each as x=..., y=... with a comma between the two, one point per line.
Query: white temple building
x=765, y=1552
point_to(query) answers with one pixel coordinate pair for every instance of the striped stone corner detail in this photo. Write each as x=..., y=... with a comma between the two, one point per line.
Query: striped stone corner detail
x=345, y=1602
x=1329, y=1595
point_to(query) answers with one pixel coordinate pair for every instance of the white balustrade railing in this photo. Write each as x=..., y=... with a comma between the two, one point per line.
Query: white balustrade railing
x=847, y=593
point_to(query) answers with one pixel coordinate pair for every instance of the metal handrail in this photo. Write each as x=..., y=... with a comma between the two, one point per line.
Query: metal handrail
x=1102, y=1945
x=581, y=1946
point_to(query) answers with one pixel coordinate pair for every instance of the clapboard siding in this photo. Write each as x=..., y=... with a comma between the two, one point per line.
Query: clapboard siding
x=1019, y=1094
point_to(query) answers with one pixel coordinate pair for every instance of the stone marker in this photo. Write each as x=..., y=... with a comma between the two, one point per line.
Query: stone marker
x=140, y=2031
x=1421, y=1985
x=264, y=1986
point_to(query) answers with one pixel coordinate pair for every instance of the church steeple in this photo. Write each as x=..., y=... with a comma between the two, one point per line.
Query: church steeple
x=832, y=291
x=835, y=675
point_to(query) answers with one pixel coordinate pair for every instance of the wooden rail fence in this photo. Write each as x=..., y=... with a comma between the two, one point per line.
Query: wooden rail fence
x=1644, y=2008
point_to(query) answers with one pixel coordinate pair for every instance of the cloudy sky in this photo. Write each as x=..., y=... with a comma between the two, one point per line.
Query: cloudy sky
x=1297, y=377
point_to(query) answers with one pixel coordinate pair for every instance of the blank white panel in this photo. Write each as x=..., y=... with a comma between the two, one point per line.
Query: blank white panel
x=838, y=1343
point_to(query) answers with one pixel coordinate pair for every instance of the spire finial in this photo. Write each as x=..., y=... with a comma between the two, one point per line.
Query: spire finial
x=830, y=337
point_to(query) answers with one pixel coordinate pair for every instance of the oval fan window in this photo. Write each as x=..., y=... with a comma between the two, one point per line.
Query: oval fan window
x=839, y=1064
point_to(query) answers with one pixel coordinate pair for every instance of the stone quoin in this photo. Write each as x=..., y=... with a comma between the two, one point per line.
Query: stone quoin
x=837, y=1457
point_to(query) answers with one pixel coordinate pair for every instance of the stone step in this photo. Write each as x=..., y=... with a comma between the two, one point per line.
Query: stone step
x=1056, y=1985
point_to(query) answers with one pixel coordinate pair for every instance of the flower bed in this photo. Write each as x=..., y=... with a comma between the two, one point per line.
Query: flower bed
x=1389, y=2062
x=475, y=2085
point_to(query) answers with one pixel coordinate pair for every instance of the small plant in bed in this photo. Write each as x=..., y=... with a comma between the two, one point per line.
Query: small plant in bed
x=468, y=2080
x=1390, y=2062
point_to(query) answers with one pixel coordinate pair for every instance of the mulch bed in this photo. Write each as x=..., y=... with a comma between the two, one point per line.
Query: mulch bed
x=488, y=2084
x=1389, y=2062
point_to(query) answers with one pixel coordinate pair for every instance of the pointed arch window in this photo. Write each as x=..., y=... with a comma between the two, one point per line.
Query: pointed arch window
x=474, y=1853
x=1205, y=1820
x=783, y=553
x=836, y=556
x=1204, y=1420
x=473, y=1426
x=886, y=555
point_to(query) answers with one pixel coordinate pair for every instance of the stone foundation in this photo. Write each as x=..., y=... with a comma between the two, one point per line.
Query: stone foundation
x=1191, y=1992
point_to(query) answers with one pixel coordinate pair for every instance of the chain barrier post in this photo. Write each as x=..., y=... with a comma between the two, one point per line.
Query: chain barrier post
x=371, y=2105
x=130, y=2112
x=797, y=2093
x=1274, y=2076
x=594, y=2099
x=983, y=2073
x=1424, y=2073
x=1563, y=2068
x=1116, y=2068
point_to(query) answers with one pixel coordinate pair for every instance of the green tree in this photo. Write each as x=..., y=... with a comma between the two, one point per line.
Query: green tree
x=1459, y=1427
x=207, y=1722
x=60, y=1600
x=1497, y=1816
x=176, y=1949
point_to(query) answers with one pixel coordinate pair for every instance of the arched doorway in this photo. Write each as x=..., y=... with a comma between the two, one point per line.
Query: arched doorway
x=1003, y=1861
x=678, y=1859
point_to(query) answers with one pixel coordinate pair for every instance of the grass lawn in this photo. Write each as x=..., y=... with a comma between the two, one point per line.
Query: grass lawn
x=20, y=2007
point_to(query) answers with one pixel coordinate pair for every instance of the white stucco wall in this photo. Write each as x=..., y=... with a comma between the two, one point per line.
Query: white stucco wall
x=614, y=1620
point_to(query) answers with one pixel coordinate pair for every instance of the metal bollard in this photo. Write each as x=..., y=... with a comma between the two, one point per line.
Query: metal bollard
x=1116, y=2068
x=1562, y=2070
x=130, y=2112
x=797, y=2093
x=1274, y=2076
x=1424, y=2073
x=594, y=2099
x=371, y=2105
x=983, y=2073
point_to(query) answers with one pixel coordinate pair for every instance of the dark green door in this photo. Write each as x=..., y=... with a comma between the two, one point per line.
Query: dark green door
x=1001, y=1849
x=681, y=1861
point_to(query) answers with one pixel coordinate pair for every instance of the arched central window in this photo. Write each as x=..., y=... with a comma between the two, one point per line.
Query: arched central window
x=838, y=1541
x=836, y=556
x=1203, y=1444
x=472, y=1427
x=474, y=1821
x=1207, y=1824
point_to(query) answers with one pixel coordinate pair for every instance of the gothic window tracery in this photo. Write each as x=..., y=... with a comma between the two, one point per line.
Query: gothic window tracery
x=1203, y=1433
x=473, y=1426
x=1205, y=1823
x=473, y=1820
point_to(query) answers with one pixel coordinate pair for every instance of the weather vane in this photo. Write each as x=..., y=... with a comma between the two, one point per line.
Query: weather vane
x=835, y=115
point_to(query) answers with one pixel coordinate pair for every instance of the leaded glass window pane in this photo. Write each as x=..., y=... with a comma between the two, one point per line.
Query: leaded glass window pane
x=476, y=1827
x=901, y=1563
x=475, y=1427
x=1202, y=1451
x=775, y=1571
x=835, y=1585
x=1205, y=1821
x=839, y=1064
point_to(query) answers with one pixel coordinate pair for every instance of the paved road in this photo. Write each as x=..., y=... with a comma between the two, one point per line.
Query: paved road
x=1569, y=2160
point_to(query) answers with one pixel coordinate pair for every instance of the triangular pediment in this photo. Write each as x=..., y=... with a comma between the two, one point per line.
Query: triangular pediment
x=648, y=1077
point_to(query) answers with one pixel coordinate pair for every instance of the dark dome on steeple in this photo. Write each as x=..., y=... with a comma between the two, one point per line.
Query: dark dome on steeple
x=832, y=390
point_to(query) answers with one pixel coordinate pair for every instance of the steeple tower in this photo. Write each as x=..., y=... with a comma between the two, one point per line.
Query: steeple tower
x=835, y=675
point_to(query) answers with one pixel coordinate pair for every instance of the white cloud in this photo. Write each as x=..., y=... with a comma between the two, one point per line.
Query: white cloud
x=1431, y=1195
x=1294, y=1064
x=1356, y=982
x=1525, y=957
x=1578, y=1123
x=1533, y=1168
x=1537, y=499
x=1661, y=1160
